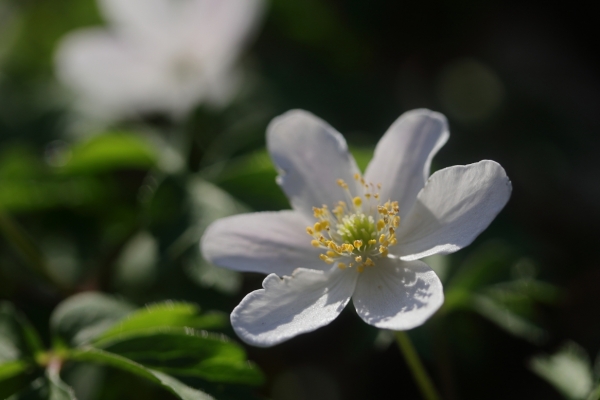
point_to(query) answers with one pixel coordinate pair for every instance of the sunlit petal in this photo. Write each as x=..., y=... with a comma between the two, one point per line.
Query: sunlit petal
x=293, y=305
x=403, y=156
x=268, y=242
x=397, y=295
x=455, y=206
x=310, y=156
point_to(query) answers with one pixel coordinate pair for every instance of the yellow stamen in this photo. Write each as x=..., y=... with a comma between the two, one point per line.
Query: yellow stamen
x=341, y=266
x=357, y=244
x=383, y=250
x=357, y=201
x=309, y=230
x=328, y=260
x=358, y=259
x=315, y=243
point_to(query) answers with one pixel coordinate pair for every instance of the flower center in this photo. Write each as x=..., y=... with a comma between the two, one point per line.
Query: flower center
x=358, y=230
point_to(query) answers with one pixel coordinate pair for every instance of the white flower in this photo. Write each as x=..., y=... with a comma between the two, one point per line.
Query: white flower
x=365, y=236
x=157, y=55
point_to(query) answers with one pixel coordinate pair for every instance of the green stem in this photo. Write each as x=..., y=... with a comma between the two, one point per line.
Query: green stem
x=19, y=239
x=423, y=380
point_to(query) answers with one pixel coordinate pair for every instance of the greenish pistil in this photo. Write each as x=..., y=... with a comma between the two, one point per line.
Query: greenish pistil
x=358, y=227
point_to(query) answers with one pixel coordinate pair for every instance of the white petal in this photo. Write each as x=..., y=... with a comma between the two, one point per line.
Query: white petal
x=311, y=156
x=455, y=206
x=267, y=242
x=397, y=295
x=107, y=72
x=403, y=156
x=143, y=18
x=215, y=29
x=293, y=305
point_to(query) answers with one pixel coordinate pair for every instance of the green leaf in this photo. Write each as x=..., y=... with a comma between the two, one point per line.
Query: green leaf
x=595, y=394
x=29, y=184
x=168, y=382
x=482, y=267
x=110, y=151
x=184, y=351
x=168, y=314
x=569, y=370
x=14, y=376
x=18, y=338
x=362, y=156
x=251, y=178
x=58, y=389
x=507, y=319
x=83, y=317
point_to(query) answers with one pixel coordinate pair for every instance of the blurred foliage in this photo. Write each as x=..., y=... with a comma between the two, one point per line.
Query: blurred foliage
x=151, y=342
x=570, y=371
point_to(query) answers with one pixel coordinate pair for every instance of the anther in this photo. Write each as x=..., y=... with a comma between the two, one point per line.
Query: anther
x=341, y=266
x=328, y=260
x=358, y=243
x=315, y=243
x=358, y=259
x=357, y=201
x=309, y=230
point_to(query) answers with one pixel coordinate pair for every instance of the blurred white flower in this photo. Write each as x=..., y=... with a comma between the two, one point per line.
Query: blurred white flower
x=369, y=232
x=157, y=55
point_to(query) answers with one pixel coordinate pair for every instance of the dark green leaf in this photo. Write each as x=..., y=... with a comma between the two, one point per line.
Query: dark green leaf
x=29, y=184
x=14, y=376
x=168, y=314
x=17, y=337
x=184, y=351
x=168, y=382
x=83, y=317
x=110, y=151
x=507, y=319
x=251, y=179
x=483, y=266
